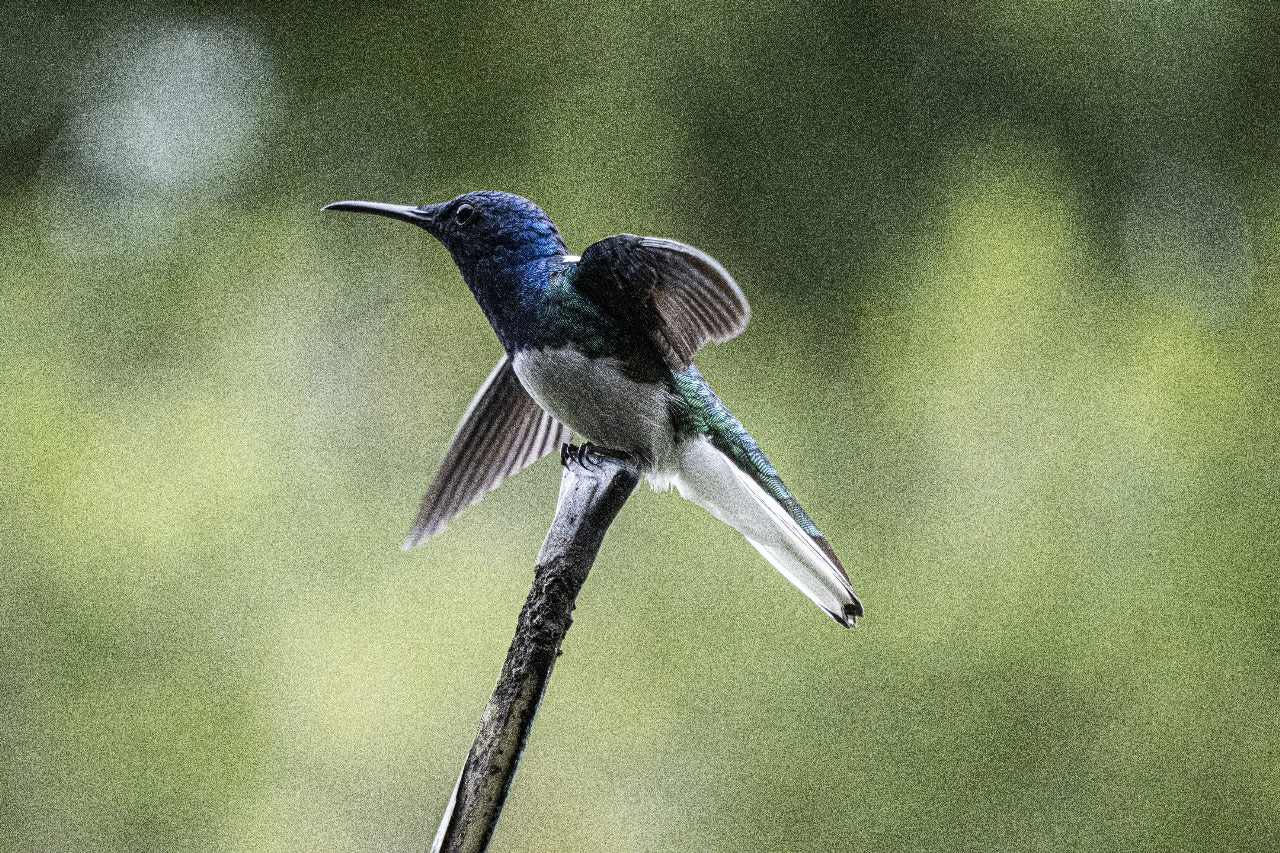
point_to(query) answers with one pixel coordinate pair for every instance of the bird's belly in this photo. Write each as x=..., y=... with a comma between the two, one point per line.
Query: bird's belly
x=598, y=401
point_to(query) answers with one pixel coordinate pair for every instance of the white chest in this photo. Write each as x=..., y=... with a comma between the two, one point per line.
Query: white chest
x=597, y=400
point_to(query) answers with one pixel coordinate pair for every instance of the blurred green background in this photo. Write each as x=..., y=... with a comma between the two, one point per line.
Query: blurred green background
x=1015, y=342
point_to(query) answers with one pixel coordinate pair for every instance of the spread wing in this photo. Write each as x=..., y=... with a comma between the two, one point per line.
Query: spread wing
x=679, y=294
x=503, y=431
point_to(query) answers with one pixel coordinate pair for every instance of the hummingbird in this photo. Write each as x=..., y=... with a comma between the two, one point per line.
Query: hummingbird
x=601, y=344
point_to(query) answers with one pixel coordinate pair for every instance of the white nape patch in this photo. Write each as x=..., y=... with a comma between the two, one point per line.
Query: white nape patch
x=598, y=401
x=571, y=259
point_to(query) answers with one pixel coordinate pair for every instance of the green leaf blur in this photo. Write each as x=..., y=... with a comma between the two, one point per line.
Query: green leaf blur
x=1015, y=342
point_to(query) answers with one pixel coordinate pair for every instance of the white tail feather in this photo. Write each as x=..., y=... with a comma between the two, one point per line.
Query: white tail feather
x=711, y=480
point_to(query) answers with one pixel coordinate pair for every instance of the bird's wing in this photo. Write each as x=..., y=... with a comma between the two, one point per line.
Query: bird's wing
x=679, y=293
x=503, y=431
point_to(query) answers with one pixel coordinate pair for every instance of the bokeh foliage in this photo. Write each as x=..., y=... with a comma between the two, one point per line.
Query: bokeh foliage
x=1014, y=270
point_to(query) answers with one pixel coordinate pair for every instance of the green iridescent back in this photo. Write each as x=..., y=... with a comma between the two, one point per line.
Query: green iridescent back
x=700, y=412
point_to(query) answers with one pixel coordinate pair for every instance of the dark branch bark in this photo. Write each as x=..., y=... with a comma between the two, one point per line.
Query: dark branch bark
x=590, y=497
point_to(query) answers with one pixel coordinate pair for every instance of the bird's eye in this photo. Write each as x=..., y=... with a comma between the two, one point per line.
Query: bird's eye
x=463, y=213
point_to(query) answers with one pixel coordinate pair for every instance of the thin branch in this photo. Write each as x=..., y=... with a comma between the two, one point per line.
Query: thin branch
x=590, y=498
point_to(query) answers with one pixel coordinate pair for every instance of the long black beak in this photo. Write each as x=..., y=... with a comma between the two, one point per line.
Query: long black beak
x=423, y=216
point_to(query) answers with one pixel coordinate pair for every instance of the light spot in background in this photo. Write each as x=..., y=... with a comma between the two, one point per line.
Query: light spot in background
x=180, y=109
x=991, y=318
x=169, y=113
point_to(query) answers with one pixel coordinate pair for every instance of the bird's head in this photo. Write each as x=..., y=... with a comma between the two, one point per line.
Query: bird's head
x=476, y=226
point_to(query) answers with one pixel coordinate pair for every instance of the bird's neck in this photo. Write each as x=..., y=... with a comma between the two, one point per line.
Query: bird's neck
x=510, y=290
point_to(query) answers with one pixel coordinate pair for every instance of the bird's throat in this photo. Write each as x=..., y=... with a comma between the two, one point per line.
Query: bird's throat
x=511, y=296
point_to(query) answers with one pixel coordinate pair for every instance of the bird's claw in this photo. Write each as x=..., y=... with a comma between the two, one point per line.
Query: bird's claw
x=581, y=454
x=588, y=455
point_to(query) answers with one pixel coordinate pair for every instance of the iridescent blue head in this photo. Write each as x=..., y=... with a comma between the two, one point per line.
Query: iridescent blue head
x=481, y=228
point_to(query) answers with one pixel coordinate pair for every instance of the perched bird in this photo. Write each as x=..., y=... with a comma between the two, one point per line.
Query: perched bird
x=602, y=345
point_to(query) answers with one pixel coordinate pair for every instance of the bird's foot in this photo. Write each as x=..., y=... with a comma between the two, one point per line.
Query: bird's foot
x=580, y=454
x=589, y=455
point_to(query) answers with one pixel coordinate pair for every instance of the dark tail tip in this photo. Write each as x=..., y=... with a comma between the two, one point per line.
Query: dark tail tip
x=852, y=613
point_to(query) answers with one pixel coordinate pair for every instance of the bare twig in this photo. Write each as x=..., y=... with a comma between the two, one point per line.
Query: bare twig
x=590, y=498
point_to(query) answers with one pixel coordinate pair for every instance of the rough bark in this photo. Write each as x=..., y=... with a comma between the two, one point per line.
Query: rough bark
x=590, y=497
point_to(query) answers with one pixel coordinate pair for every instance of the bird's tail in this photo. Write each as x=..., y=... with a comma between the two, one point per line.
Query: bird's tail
x=708, y=476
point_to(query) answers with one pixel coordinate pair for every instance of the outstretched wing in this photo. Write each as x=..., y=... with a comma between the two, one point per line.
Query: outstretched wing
x=503, y=431
x=677, y=293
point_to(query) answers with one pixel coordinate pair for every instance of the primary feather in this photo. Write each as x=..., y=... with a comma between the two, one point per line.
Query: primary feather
x=502, y=431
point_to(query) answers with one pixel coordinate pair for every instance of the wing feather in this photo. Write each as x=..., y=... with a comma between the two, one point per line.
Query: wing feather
x=680, y=295
x=503, y=431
